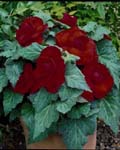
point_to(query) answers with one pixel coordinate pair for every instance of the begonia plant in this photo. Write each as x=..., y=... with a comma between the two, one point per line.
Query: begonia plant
x=60, y=78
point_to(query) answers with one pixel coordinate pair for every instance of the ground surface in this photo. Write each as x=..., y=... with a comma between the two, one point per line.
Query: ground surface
x=14, y=139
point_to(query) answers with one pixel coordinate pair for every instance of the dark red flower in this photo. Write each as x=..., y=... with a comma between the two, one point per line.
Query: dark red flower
x=76, y=42
x=107, y=37
x=30, y=30
x=99, y=80
x=69, y=20
x=50, y=70
x=25, y=81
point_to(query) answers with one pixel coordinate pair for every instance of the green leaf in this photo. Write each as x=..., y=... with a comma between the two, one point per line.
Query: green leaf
x=31, y=52
x=92, y=112
x=108, y=56
x=9, y=49
x=75, y=132
x=21, y=8
x=75, y=78
x=114, y=70
x=15, y=113
x=44, y=119
x=11, y=100
x=13, y=71
x=51, y=130
x=13, y=50
x=52, y=33
x=65, y=106
x=3, y=79
x=109, y=110
x=99, y=33
x=36, y=6
x=101, y=10
x=69, y=57
x=50, y=24
x=41, y=99
x=83, y=109
x=96, y=32
x=91, y=26
x=81, y=100
x=50, y=40
x=58, y=10
x=27, y=114
x=78, y=111
x=66, y=92
x=28, y=119
x=7, y=29
x=44, y=16
x=3, y=13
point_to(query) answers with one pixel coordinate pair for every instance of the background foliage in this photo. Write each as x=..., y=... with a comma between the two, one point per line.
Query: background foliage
x=104, y=13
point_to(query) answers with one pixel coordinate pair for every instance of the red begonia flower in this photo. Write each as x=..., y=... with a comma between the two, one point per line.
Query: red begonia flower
x=69, y=20
x=25, y=81
x=99, y=80
x=76, y=42
x=107, y=37
x=50, y=70
x=30, y=30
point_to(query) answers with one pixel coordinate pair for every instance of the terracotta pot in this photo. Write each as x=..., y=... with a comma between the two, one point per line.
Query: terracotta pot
x=55, y=141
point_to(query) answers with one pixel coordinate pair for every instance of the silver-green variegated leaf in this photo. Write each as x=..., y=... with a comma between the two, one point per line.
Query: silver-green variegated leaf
x=78, y=111
x=3, y=79
x=13, y=50
x=44, y=119
x=27, y=117
x=75, y=132
x=9, y=49
x=27, y=113
x=91, y=26
x=81, y=100
x=108, y=56
x=41, y=99
x=66, y=92
x=50, y=41
x=13, y=71
x=69, y=57
x=31, y=52
x=92, y=112
x=99, y=33
x=95, y=31
x=11, y=100
x=74, y=78
x=110, y=109
x=44, y=16
x=65, y=106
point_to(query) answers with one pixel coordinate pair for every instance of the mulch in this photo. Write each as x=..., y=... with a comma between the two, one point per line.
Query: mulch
x=13, y=137
x=106, y=139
